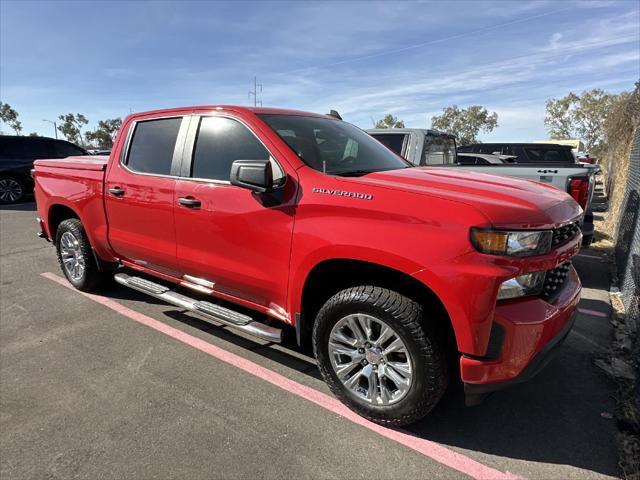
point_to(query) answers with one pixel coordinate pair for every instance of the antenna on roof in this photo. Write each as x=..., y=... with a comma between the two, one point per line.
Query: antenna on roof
x=257, y=88
x=334, y=114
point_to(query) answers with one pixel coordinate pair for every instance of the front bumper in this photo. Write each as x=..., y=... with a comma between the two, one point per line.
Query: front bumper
x=532, y=329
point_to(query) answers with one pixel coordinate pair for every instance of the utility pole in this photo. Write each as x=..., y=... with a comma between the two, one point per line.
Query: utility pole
x=257, y=88
x=55, y=126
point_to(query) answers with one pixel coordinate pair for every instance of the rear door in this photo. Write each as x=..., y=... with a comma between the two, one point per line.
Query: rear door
x=139, y=194
x=229, y=239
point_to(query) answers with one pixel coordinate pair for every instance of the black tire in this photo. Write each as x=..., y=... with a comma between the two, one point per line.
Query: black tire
x=12, y=190
x=422, y=340
x=91, y=277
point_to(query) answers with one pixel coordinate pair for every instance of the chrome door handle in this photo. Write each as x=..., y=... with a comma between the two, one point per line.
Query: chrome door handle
x=116, y=191
x=189, y=202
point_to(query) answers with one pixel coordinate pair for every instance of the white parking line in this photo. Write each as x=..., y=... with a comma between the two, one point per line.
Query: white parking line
x=433, y=450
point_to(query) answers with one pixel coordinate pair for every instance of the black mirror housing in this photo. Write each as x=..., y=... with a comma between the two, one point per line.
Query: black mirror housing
x=255, y=175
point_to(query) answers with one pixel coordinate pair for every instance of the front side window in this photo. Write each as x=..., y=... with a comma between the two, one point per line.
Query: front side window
x=439, y=150
x=152, y=146
x=333, y=146
x=393, y=141
x=219, y=143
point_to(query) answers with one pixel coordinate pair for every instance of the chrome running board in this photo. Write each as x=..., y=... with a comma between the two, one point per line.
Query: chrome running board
x=207, y=310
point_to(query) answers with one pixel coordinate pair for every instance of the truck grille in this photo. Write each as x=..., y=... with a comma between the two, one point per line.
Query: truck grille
x=554, y=280
x=564, y=234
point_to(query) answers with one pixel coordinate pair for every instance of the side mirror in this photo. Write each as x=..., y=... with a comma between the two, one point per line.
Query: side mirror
x=255, y=175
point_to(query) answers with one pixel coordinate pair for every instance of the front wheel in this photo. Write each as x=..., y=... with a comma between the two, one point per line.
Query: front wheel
x=75, y=256
x=379, y=356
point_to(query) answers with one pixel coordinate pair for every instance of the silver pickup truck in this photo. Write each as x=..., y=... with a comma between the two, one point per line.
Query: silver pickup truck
x=546, y=163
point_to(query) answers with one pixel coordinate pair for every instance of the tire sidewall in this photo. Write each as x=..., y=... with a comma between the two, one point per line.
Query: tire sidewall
x=328, y=317
x=74, y=227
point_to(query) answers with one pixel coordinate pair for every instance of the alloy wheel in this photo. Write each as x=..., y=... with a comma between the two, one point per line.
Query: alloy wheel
x=72, y=256
x=10, y=190
x=370, y=359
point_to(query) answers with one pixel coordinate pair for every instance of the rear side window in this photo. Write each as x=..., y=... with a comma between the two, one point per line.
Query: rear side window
x=219, y=143
x=152, y=146
x=547, y=155
x=23, y=147
x=65, y=149
x=394, y=141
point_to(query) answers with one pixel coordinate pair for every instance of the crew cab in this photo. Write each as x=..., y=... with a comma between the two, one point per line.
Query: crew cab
x=278, y=221
x=546, y=163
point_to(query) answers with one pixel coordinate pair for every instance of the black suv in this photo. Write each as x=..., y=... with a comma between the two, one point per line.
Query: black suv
x=525, y=152
x=16, y=161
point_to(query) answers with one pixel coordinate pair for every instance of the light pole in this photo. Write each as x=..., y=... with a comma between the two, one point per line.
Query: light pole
x=55, y=126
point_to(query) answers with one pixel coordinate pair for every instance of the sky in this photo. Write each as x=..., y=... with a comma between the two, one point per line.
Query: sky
x=363, y=59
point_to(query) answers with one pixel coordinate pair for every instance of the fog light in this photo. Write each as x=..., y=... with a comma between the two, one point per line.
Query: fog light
x=527, y=284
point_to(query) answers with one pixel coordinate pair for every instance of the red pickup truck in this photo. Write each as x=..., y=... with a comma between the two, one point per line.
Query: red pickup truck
x=272, y=220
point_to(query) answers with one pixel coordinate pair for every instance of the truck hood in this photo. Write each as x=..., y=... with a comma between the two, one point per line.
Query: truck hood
x=506, y=202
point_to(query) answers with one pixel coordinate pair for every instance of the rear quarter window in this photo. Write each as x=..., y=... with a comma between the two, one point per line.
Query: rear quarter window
x=66, y=149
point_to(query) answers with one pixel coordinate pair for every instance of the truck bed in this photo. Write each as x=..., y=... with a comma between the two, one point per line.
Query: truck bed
x=76, y=184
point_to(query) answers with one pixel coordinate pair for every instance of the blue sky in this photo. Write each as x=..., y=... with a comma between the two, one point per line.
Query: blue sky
x=363, y=59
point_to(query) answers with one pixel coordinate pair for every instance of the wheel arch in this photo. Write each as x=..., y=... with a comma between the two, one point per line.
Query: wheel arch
x=56, y=215
x=332, y=275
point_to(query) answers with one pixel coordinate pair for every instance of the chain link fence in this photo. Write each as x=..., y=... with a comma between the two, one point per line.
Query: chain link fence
x=627, y=238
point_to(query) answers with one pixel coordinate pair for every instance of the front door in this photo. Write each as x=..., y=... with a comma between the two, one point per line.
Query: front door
x=226, y=235
x=139, y=196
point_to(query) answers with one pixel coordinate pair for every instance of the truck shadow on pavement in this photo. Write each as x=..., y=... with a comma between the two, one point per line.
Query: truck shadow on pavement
x=28, y=206
x=555, y=418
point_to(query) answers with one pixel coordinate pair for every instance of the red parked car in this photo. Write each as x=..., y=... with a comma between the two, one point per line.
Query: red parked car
x=249, y=215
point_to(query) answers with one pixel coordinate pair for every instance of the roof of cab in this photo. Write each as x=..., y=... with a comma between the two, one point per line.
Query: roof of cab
x=230, y=108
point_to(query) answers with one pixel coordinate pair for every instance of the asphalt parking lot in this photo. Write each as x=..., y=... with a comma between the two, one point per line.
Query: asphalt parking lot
x=122, y=386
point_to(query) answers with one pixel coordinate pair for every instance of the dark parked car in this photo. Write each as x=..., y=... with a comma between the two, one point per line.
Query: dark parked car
x=16, y=161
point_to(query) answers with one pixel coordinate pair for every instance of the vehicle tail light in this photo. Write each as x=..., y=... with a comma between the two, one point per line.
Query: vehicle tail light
x=579, y=190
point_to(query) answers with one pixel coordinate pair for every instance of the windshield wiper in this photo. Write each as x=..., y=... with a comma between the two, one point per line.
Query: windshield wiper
x=353, y=173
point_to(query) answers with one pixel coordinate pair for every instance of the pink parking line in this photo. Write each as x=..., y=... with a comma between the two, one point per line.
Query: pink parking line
x=430, y=449
x=594, y=313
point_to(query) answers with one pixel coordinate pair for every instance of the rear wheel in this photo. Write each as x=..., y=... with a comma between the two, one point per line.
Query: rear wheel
x=11, y=190
x=75, y=256
x=378, y=356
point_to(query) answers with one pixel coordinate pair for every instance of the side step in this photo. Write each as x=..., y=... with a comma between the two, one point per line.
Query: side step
x=207, y=310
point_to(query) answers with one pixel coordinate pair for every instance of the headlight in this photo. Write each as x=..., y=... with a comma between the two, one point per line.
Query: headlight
x=518, y=244
x=527, y=284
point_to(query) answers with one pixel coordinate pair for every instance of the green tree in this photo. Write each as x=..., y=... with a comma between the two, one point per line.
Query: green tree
x=105, y=133
x=581, y=116
x=389, y=121
x=34, y=134
x=465, y=123
x=10, y=117
x=71, y=126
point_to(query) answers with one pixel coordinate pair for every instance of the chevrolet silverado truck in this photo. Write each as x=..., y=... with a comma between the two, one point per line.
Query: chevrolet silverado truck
x=276, y=221
x=546, y=163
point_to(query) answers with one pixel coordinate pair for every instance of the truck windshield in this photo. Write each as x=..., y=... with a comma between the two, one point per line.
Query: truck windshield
x=333, y=146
